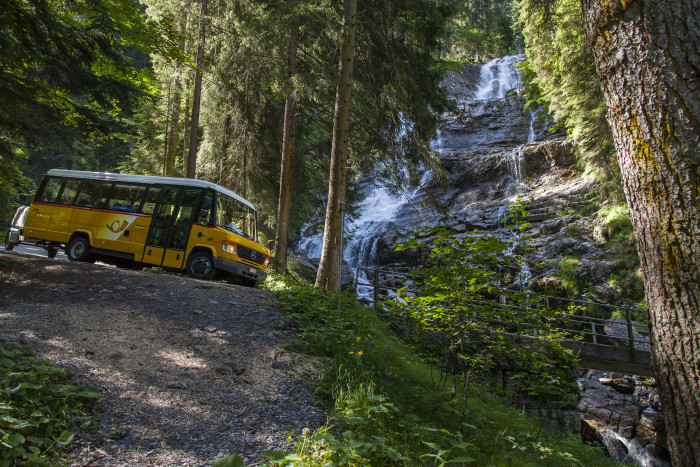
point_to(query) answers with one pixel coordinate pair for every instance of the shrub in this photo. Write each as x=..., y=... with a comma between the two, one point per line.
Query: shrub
x=39, y=407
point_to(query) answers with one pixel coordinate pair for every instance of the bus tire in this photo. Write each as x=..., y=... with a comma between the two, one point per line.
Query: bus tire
x=200, y=265
x=51, y=252
x=78, y=249
x=8, y=245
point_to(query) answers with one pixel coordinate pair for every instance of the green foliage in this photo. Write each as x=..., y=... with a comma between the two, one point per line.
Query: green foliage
x=569, y=273
x=40, y=408
x=71, y=74
x=13, y=183
x=480, y=30
x=617, y=227
x=386, y=409
x=229, y=461
x=618, y=233
x=470, y=319
x=560, y=76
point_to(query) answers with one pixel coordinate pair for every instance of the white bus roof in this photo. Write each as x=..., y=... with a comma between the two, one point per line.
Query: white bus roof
x=148, y=180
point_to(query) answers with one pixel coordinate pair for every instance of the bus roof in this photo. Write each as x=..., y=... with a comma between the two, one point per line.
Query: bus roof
x=148, y=180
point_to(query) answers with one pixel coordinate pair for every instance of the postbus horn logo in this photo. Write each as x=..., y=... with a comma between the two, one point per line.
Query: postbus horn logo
x=116, y=228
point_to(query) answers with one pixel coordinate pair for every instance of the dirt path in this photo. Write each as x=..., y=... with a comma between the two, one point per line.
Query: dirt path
x=189, y=371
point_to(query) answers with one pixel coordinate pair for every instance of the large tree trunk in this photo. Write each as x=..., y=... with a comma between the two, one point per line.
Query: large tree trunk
x=174, y=134
x=647, y=54
x=327, y=275
x=190, y=171
x=284, y=206
x=186, y=142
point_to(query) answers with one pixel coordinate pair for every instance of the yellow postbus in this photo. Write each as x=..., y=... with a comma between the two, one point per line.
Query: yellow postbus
x=175, y=223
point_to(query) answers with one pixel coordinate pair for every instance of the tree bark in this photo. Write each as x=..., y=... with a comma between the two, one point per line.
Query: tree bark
x=647, y=55
x=327, y=275
x=190, y=171
x=186, y=142
x=174, y=134
x=284, y=206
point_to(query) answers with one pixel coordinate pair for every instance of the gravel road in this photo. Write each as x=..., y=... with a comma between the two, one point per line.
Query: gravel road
x=189, y=371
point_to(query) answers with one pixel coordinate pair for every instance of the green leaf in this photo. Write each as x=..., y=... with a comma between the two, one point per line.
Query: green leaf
x=233, y=460
x=65, y=438
x=461, y=460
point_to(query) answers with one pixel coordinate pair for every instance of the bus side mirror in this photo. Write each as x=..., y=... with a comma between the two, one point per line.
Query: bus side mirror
x=206, y=203
x=204, y=214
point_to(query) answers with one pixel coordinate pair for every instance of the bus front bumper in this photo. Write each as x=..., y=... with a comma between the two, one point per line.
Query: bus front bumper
x=240, y=269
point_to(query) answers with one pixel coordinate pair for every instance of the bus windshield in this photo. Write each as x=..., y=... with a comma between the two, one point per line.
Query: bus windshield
x=235, y=216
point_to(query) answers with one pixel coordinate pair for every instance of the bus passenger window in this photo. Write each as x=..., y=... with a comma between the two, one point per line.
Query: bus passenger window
x=149, y=202
x=126, y=198
x=70, y=189
x=50, y=191
x=93, y=194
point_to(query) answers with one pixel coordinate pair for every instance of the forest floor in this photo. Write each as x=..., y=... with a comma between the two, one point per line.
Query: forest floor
x=189, y=371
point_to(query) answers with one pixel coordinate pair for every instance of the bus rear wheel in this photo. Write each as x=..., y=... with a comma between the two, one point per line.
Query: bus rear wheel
x=200, y=265
x=78, y=249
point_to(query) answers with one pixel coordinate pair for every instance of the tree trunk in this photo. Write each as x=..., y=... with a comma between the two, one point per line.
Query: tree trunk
x=190, y=171
x=174, y=134
x=284, y=206
x=186, y=142
x=647, y=55
x=327, y=275
x=225, y=143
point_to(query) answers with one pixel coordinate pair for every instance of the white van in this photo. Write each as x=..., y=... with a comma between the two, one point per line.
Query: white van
x=15, y=233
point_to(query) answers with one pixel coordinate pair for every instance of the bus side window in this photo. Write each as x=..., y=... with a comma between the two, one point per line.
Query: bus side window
x=126, y=198
x=51, y=190
x=70, y=189
x=150, y=200
x=93, y=194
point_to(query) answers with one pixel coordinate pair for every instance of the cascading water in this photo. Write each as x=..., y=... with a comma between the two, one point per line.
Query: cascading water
x=498, y=77
x=380, y=209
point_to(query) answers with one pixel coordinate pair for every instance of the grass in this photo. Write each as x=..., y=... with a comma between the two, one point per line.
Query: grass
x=569, y=273
x=40, y=408
x=626, y=277
x=386, y=408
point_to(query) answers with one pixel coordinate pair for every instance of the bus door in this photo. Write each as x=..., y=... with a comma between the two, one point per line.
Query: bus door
x=40, y=211
x=170, y=227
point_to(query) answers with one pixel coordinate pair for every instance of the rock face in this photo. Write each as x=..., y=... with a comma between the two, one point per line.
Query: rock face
x=623, y=413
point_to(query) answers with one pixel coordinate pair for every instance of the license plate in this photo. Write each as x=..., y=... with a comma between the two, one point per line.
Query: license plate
x=252, y=270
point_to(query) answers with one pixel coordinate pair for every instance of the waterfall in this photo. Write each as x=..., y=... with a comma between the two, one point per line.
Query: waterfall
x=498, y=77
x=380, y=210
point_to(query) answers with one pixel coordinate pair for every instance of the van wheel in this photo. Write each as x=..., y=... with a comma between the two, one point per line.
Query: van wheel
x=200, y=265
x=51, y=252
x=78, y=249
x=8, y=245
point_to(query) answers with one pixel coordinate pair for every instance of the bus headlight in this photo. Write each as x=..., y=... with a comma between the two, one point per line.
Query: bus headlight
x=267, y=261
x=229, y=247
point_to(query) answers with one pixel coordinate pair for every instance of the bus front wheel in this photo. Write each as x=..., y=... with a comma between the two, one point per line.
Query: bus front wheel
x=200, y=265
x=78, y=249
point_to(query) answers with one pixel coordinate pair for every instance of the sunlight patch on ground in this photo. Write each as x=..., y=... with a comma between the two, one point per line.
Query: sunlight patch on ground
x=182, y=359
